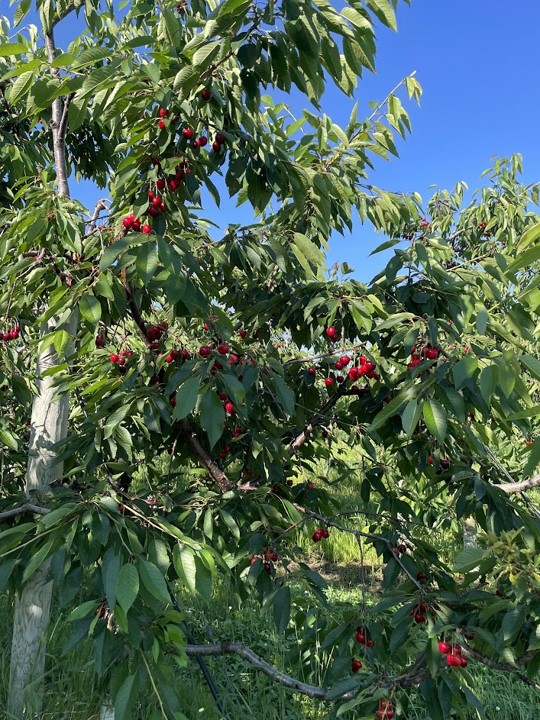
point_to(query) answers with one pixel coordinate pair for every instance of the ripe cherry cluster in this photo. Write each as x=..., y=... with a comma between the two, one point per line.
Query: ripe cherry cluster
x=130, y=222
x=361, y=637
x=453, y=652
x=12, y=334
x=385, y=711
x=426, y=353
x=320, y=534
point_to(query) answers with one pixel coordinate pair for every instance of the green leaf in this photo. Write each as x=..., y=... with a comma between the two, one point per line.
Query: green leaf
x=393, y=407
x=7, y=437
x=7, y=49
x=212, y=416
x=529, y=257
x=153, y=581
x=282, y=608
x=90, y=308
x=384, y=10
x=82, y=610
x=435, y=419
x=186, y=398
x=146, y=263
x=532, y=364
x=464, y=370
x=127, y=586
x=125, y=697
x=184, y=564
x=529, y=236
x=410, y=417
x=285, y=396
x=469, y=558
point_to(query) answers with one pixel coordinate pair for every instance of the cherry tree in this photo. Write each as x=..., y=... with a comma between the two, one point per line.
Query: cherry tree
x=167, y=388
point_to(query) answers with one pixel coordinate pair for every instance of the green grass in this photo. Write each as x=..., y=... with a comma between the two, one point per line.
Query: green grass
x=72, y=692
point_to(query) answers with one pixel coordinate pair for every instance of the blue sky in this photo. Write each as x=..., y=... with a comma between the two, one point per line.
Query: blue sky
x=477, y=61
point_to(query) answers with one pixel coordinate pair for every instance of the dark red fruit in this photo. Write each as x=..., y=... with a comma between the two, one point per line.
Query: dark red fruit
x=444, y=647
x=328, y=382
x=356, y=665
x=187, y=133
x=229, y=408
x=331, y=331
x=206, y=94
x=223, y=348
x=205, y=351
x=100, y=341
x=114, y=358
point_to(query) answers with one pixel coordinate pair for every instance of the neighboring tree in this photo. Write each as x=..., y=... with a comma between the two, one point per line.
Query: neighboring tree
x=202, y=376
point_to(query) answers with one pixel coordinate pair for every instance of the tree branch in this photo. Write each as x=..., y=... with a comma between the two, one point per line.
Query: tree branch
x=27, y=508
x=514, y=487
x=216, y=473
x=411, y=677
x=494, y=665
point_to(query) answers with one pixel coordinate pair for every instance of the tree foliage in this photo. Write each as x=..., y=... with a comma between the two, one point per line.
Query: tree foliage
x=210, y=374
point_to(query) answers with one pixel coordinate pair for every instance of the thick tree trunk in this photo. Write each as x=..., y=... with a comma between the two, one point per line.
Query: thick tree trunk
x=49, y=424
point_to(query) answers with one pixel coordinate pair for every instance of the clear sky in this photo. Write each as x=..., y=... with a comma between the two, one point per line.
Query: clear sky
x=477, y=61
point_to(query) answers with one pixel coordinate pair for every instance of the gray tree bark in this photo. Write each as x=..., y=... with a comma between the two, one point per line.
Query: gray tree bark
x=48, y=426
x=49, y=423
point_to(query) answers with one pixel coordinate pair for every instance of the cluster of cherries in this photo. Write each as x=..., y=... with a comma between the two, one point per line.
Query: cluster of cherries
x=269, y=556
x=362, y=638
x=419, y=613
x=385, y=711
x=427, y=353
x=454, y=658
x=130, y=222
x=12, y=334
x=121, y=358
x=320, y=534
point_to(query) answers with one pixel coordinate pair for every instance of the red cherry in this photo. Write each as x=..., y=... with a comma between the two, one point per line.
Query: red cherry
x=421, y=576
x=361, y=638
x=344, y=360
x=444, y=647
x=242, y=333
x=220, y=138
x=100, y=341
x=216, y=147
x=121, y=361
x=169, y=359
x=419, y=618
x=202, y=141
x=370, y=643
x=311, y=371
x=114, y=358
x=464, y=661
x=173, y=184
x=163, y=112
x=187, y=133
x=162, y=124
x=223, y=348
x=453, y=660
x=206, y=94
x=325, y=534
x=456, y=649
x=328, y=382
x=331, y=331
x=356, y=665
x=128, y=221
x=205, y=351
x=229, y=408
x=160, y=184
x=429, y=460
x=253, y=559
x=316, y=537
x=153, y=211
x=354, y=374
x=147, y=229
